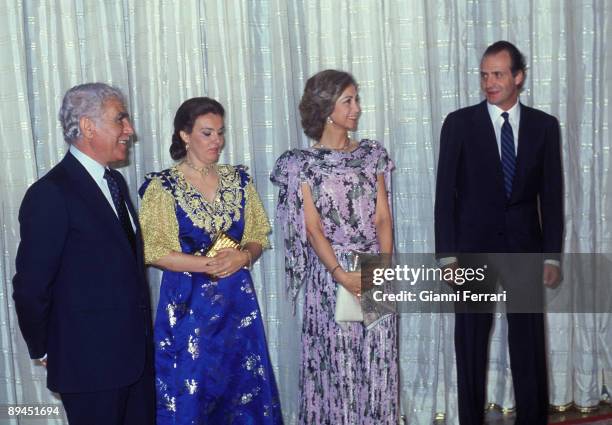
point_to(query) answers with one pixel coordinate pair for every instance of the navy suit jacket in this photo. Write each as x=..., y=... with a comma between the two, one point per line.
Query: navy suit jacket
x=80, y=291
x=472, y=213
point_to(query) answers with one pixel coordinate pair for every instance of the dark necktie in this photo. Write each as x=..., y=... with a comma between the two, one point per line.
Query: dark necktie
x=508, y=154
x=122, y=211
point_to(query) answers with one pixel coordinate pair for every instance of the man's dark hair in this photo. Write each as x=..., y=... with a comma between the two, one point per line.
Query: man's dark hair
x=517, y=60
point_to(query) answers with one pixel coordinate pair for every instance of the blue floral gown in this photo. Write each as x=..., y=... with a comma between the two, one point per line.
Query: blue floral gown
x=211, y=358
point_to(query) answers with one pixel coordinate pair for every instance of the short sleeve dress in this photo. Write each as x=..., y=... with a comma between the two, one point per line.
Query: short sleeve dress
x=211, y=358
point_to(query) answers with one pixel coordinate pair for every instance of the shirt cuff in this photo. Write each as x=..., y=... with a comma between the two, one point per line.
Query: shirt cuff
x=555, y=263
x=445, y=261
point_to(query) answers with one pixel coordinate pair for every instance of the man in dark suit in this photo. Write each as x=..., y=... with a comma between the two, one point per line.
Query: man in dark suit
x=499, y=190
x=80, y=291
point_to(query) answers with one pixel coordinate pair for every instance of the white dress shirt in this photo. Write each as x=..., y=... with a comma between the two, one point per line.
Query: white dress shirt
x=96, y=171
x=514, y=118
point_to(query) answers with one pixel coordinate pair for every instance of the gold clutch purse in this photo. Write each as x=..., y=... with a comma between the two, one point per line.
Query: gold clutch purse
x=222, y=240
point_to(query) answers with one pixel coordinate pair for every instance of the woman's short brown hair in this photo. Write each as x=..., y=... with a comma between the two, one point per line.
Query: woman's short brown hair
x=319, y=98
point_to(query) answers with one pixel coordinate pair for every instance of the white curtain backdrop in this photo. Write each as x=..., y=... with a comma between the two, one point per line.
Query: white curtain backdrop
x=415, y=60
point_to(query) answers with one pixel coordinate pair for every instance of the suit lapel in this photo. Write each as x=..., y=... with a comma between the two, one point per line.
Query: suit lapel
x=527, y=148
x=523, y=143
x=92, y=196
x=132, y=210
x=489, y=151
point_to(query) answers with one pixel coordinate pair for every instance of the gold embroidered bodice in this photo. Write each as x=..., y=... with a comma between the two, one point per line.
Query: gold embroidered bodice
x=169, y=192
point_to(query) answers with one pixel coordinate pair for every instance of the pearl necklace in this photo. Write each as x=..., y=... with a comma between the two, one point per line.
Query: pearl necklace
x=345, y=147
x=204, y=171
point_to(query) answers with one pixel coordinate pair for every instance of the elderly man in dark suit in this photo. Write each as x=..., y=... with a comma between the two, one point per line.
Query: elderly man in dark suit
x=80, y=291
x=499, y=190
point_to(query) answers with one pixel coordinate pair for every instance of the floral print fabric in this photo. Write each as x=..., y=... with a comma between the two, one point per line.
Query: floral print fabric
x=211, y=359
x=349, y=375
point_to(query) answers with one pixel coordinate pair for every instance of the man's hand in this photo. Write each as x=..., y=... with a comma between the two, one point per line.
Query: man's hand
x=551, y=275
x=453, y=266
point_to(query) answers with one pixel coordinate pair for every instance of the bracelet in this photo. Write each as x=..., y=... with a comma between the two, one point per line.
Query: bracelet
x=248, y=253
x=334, y=270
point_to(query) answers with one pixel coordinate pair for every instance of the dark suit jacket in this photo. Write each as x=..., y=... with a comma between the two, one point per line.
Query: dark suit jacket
x=80, y=292
x=472, y=213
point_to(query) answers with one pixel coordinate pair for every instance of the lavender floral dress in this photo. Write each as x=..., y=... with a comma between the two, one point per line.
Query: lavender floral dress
x=349, y=375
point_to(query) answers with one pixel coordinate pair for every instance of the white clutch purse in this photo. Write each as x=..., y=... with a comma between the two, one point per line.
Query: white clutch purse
x=348, y=306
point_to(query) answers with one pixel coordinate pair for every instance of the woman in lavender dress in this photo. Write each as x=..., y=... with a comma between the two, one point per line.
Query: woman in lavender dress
x=334, y=199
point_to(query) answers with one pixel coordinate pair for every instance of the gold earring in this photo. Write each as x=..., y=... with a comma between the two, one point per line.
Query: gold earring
x=329, y=120
x=187, y=146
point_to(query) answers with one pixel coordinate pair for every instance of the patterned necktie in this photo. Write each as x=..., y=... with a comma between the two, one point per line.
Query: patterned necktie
x=508, y=154
x=122, y=211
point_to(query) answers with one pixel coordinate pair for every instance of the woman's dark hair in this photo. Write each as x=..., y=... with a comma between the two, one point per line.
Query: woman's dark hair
x=319, y=98
x=185, y=118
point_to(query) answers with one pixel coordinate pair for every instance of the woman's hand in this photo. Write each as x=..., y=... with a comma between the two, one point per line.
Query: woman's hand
x=350, y=280
x=226, y=262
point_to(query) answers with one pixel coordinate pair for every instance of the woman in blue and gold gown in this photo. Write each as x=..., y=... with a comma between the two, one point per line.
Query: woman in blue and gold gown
x=211, y=359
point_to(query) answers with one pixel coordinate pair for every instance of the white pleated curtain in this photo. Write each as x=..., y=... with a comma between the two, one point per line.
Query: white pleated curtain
x=415, y=61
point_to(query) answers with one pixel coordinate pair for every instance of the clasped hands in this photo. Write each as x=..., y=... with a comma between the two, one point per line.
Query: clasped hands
x=226, y=262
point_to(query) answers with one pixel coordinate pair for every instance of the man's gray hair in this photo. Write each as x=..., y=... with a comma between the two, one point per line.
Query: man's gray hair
x=85, y=100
